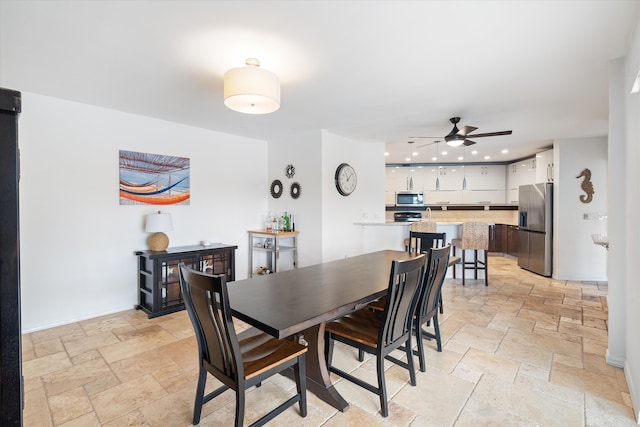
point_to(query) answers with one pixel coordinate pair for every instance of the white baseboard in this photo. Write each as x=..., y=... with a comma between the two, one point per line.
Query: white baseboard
x=633, y=391
x=614, y=361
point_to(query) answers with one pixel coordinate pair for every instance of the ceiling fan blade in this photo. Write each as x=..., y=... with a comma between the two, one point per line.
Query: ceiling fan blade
x=426, y=145
x=480, y=135
x=468, y=142
x=466, y=130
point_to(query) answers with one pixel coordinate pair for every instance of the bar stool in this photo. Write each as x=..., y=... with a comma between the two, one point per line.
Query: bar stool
x=475, y=237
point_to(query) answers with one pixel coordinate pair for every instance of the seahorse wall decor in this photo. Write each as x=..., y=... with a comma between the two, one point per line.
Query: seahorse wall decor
x=587, y=186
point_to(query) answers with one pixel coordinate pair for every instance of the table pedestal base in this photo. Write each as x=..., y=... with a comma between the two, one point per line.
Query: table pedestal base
x=318, y=381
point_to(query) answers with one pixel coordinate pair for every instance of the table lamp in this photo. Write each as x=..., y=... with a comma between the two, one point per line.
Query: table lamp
x=158, y=224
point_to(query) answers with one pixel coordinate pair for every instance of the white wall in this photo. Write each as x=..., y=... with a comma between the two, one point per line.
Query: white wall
x=303, y=151
x=575, y=256
x=631, y=148
x=624, y=230
x=78, y=243
x=340, y=237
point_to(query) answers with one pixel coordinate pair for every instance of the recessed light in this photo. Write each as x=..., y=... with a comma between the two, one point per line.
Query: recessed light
x=460, y=158
x=434, y=158
x=504, y=151
x=408, y=159
x=474, y=152
x=386, y=153
x=487, y=157
x=415, y=153
x=444, y=153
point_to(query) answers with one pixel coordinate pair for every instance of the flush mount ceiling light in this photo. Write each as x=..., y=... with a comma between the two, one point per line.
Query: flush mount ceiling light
x=251, y=89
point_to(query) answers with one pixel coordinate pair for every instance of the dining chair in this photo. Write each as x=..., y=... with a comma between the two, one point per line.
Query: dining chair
x=422, y=227
x=475, y=237
x=428, y=301
x=379, y=333
x=239, y=361
x=421, y=242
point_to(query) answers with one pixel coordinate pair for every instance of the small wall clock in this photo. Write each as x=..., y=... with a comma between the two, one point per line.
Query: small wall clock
x=346, y=179
x=290, y=171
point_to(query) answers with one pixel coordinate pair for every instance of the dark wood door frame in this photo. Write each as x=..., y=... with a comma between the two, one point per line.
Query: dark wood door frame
x=11, y=387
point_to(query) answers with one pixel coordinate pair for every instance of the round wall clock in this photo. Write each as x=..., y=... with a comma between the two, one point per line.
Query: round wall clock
x=290, y=171
x=346, y=179
x=276, y=188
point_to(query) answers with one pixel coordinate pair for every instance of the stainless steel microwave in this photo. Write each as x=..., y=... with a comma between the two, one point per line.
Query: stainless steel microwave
x=409, y=198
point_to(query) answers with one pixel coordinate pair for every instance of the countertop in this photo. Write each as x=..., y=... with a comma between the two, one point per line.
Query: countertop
x=404, y=224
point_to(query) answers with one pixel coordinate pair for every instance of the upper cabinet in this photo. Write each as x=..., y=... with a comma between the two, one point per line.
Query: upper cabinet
x=489, y=177
x=544, y=166
x=404, y=179
x=519, y=173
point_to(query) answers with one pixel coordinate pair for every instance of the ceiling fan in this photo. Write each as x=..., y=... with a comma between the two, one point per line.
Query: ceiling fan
x=458, y=137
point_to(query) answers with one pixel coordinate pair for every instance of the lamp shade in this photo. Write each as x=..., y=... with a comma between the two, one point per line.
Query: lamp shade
x=158, y=222
x=251, y=89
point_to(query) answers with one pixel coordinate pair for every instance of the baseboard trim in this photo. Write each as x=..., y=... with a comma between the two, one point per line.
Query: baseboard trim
x=633, y=391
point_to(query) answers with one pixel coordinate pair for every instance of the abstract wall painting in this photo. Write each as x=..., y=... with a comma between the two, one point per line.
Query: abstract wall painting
x=153, y=179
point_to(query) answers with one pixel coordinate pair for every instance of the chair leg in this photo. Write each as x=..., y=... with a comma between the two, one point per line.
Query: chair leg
x=360, y=355
x=486, y=268
x=328, y=348
x=418, y=329
x=412, y=368
x=239, y=407
x=464, y=267
x=454, y=265
x=300, y=373
x=197, y=407
x=475, y=265
x=382, y=387
x=436, y=330
x=441, y=304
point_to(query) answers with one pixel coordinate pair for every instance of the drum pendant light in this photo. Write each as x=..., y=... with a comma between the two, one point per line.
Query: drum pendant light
x=251, y=89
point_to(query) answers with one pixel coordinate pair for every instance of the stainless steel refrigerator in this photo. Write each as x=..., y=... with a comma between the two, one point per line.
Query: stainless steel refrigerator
x=535, y=221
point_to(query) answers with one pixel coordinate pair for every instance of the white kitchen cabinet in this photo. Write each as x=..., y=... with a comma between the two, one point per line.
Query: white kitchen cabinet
x=443, y=197
x=544, y=166
x=390, y=179
x=519, y=173
x=389, y=198
x=485, y=177
x=484, y=197
x=404, y=179
x=430, y=175
x=449, y=178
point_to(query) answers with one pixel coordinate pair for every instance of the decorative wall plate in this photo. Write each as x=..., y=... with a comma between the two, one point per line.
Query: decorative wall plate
x=290, y=171
x=276, y=188
x=295, y=190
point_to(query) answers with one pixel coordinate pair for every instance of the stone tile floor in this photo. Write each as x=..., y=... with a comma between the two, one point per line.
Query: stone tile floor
x=525, y=351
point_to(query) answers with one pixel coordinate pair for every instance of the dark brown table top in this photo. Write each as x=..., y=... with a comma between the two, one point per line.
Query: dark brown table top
x=288, y=302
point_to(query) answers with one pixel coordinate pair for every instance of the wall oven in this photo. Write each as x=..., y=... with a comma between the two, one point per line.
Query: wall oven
x=410, y=198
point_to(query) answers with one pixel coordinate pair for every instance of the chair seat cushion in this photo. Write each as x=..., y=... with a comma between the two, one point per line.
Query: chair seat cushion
x=361, y=326
x=261, y=352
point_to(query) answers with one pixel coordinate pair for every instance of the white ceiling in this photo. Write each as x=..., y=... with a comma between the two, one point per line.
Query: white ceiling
x=368, y=70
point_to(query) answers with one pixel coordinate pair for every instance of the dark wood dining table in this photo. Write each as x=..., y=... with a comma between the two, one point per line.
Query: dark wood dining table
x=302, y=300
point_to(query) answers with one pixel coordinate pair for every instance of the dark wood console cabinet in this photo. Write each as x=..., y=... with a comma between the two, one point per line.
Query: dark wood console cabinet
x=158, y=277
